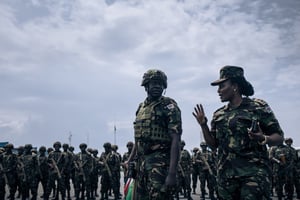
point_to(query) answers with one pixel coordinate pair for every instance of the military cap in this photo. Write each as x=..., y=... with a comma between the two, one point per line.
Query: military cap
x=237, y=73
x=154, y=74
x=57, y=144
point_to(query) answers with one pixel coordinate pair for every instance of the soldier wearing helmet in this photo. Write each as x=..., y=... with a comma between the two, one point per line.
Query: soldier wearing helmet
x=57, y=163
x=110, y=177
x=43, y=168
x=29, y=166
x=184, y=172
x=9, y=163
x=195, y=168
x=157, y=132
x=125, y=157
x=83, y=162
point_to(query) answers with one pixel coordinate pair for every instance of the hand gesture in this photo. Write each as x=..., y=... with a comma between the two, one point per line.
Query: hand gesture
x=199, y=114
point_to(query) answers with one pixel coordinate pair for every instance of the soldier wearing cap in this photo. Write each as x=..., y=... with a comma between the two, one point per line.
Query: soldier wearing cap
x=240, y=131
x=157, y=132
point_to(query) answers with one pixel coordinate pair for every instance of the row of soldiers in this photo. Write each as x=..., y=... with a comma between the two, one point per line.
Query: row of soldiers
x=284, y=167
x=54, y=169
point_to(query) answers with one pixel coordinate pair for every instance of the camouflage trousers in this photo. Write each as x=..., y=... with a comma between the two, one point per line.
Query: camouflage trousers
x=248, y=188
x=150, y=180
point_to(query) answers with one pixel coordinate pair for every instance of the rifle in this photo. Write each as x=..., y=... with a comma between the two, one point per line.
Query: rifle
x=39, y=165
x=80, y=167
x=23, y=170
x=56, y=168
x=4, y=174
x=107, y=167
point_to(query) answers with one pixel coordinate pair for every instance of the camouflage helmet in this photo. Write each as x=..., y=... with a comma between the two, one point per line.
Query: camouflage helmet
x=129, y=144
x=83, y=145
x=114, y=147
x=95, y=151
x=28, y=146
x=288, y=140
x=57, y=144
x=182, y=143
x=71, y=148
x=107, y=145
x=195, y=149
x=42, y=149
x=203, y=144
x=65, y=145
x=154, y=74
x=9, y=146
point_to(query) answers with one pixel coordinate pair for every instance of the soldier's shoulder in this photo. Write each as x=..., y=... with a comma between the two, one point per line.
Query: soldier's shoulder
x=169, y=103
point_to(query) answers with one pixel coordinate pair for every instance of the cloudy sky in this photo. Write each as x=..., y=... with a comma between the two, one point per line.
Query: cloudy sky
x=74, y=67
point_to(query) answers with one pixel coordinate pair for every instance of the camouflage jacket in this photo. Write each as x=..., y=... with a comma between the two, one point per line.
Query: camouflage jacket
x=237, y=154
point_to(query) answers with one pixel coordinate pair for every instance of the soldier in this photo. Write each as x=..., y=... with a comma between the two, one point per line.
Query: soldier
x=72, y=172
x=56, y=162
x=125, y=157
x=240, y=131
x=83, y=163
x=95, y=173
x=3, y=178
x=20, y=153
x=291, y=169
x=43, y=169
x=297, y=177
x=114, y=148
x=30, y=169
x=9, y=163
x=195, y=169
x=184, y=174
x=67, y=171
x=109, y=162
x=206, y=174
x=283, y=170
x=157, y=132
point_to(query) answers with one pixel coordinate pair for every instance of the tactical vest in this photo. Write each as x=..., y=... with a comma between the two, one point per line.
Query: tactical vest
x=149, y=127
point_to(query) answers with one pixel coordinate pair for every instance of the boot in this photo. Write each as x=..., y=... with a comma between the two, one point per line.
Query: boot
x=194, y=190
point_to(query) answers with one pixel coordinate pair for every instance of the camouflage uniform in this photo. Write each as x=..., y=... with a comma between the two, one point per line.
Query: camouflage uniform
x=205, y=160
x=284, y=171
x=43, y=168
x=184, y=172
x=3, y=177
x=125, y=158
x=95, y=173
x=241, y=160
x=297, y=177
x=84, y=166
x=117, y=167
x=67, y=170
x=195, y=169
x=109, y=172
x=56, y=163
x=156, y=119
x=30, y=168
x=9, y=163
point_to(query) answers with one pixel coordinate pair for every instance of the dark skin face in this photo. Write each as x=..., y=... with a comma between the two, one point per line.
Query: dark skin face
x=155, y=89
x=229, y=91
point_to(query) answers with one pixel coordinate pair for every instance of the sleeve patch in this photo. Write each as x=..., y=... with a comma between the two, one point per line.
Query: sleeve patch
x=170, y=106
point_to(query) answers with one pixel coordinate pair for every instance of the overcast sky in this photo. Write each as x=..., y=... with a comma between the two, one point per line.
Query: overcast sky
x=74, y=67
